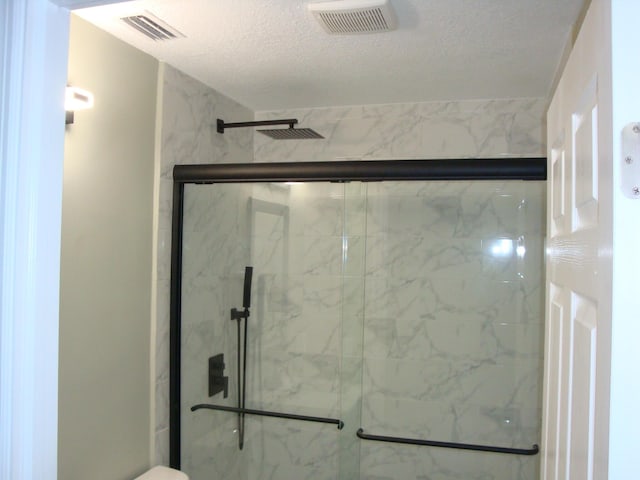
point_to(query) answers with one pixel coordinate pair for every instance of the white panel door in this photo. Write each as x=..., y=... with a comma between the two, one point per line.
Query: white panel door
x=578, y=320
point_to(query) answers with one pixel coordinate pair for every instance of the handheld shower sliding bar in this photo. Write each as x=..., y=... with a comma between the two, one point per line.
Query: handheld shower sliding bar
x=242, y=352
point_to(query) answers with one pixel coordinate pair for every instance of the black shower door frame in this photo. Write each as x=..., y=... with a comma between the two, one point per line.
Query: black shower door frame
x=530, y=168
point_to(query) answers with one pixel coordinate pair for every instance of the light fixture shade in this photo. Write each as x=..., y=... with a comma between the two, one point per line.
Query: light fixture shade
x=77, y=99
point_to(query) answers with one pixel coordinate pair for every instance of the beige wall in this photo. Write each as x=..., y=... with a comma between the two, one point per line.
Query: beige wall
x=104, y=411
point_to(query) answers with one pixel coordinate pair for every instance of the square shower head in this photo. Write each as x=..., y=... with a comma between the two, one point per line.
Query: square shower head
x=291, y=133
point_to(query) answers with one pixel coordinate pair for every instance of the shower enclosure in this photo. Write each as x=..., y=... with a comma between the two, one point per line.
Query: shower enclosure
x=390, y=327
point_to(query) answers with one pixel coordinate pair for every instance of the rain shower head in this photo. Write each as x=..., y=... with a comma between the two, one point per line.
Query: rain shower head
x=290, y=133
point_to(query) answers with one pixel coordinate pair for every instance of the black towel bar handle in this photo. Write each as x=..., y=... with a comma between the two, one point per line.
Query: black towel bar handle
x=432, y=443
x=266, y=413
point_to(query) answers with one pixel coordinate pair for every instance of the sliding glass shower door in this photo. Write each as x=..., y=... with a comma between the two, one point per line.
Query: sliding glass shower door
x=292, y=236
x=410, y=310
x=453, y=328
x=216, y=248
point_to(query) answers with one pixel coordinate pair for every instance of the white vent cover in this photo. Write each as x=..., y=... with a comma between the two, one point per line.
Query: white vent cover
x=151, y=26
x=354, y=16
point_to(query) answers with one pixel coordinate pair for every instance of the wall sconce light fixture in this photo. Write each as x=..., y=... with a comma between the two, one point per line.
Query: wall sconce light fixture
x=76, y=99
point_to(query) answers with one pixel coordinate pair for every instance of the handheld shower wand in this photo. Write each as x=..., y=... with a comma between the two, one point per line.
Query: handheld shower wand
x=246, y=297
x=242, y=372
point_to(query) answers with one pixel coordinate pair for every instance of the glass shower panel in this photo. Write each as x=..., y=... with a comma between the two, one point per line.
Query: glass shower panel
x=353, y=249
x=292, y=236
x=294, y=349
x=409, y=309
x=216, y=248
x=453, y=327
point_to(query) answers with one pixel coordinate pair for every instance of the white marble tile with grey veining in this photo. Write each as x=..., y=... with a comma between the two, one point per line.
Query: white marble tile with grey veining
x=189, y=112
x=298, y=329
x=491, y=128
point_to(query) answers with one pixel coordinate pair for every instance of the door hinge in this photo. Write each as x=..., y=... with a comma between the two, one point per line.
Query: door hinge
x=630, y=157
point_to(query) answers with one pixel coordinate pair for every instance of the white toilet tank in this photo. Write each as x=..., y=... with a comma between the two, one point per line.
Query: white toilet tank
x=162, y=473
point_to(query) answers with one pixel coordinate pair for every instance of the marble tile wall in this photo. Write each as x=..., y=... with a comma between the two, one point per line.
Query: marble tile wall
x=306, y=353
x=456, y=129
x=188, y=135
x=449, y=328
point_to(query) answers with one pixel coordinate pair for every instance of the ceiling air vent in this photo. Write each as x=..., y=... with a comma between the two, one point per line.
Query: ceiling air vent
x=152, y=27
x=354, y=16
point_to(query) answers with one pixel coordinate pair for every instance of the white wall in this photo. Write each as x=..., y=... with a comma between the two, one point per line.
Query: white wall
x=34, y=40
x=104, y=383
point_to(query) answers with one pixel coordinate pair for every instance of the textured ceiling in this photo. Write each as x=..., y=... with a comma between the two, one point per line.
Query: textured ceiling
x=271, y=54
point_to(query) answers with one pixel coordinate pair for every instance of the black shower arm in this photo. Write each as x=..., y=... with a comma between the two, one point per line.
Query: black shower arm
x=221, y=125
